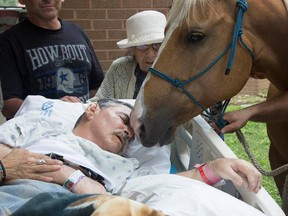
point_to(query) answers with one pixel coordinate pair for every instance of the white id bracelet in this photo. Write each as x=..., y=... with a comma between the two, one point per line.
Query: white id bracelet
x=73, y=180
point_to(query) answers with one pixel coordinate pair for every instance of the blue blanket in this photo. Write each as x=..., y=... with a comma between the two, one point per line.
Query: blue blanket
x=63, y=204
x=48, y=204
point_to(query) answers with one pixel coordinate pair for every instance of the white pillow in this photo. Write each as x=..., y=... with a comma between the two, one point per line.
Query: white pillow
x=67, y=113
x=155, y=160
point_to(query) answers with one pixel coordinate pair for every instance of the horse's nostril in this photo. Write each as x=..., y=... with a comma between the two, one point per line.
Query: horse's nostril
x=142, y=127
x=142, y=133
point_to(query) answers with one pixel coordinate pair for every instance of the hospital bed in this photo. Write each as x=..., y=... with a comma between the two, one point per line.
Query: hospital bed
x=204, y=145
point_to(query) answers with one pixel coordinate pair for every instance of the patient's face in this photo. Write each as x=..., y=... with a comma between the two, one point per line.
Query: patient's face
x=111, y=126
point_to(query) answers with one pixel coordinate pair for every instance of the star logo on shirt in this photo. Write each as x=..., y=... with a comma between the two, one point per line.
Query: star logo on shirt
x=63, y=77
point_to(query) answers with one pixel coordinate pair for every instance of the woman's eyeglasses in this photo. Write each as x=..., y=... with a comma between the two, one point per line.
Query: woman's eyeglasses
x=155, y=47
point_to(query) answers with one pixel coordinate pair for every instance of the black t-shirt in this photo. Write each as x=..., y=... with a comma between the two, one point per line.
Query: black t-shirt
x=51, y=63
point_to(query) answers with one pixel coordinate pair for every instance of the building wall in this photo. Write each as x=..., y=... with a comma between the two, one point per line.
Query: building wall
x=104, y=21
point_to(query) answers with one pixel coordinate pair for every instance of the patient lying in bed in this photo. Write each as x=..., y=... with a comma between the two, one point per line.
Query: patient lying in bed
x=171, y=194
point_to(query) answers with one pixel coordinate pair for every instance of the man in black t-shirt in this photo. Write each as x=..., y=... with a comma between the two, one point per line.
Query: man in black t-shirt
x=44, y=55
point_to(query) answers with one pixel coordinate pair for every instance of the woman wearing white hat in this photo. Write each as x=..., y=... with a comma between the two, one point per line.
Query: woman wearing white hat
x=145, y=33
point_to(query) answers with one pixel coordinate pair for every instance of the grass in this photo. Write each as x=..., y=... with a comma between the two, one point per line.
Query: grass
x=257, y=139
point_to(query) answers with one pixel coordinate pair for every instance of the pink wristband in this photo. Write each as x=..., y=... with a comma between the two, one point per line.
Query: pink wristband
x=211, y=177
x=202, y=174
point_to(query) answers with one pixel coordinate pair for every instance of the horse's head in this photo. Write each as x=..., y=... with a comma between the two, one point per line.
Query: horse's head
x=192, y=58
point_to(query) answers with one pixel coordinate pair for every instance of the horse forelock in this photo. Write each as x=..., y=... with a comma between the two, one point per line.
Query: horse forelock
x=183, y=10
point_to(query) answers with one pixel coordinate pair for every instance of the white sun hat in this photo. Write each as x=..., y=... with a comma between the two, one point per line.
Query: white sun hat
x=146, y=27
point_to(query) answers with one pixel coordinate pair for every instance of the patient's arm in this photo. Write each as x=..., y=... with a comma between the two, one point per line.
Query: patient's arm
x=236, y=170
x=84, y=186
x=11, y=106
x=22, y=164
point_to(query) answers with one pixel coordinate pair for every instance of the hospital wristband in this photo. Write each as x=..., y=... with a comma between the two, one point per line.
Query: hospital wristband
x=73, y=180
x=212, y=178
x=2, y=172
x=202, y=174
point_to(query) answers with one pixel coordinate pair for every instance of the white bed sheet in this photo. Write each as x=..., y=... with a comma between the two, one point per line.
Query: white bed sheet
x=179, y=196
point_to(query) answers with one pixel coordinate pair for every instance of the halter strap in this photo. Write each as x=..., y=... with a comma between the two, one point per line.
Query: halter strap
x=238, y=32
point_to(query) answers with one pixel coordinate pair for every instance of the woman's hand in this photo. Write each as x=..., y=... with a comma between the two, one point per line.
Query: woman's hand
x=22, y=164
x=238, y=171
x=71, y=99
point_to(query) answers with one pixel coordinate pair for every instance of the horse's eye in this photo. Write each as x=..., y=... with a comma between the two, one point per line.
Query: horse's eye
x=194, y=37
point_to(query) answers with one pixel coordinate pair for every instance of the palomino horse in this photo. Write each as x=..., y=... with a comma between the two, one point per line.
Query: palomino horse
x=211, y=49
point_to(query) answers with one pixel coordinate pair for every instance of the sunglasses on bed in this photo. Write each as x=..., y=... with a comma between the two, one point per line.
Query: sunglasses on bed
x=145, y=47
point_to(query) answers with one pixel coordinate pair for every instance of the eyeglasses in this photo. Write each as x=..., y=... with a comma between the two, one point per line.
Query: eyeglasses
x=155, y=47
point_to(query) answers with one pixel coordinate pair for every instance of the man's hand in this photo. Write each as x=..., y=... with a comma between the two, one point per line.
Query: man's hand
x=237, y=120
x=238, y=171
x=22, y=164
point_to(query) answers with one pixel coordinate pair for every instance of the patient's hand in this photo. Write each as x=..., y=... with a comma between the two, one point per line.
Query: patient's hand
x=22, y=164
x=238, y=171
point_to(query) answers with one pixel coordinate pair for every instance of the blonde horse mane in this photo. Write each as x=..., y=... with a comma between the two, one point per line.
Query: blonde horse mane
x=183, y=8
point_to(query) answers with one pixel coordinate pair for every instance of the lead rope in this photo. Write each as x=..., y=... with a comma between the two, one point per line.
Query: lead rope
x=273, y=173
x=285, y=196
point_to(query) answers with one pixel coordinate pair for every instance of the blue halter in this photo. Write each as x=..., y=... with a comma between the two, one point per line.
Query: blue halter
x=220, y=122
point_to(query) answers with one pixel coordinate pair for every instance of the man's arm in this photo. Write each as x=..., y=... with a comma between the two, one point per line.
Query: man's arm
x=84, y=185
x=236, y=170
x=11, y=106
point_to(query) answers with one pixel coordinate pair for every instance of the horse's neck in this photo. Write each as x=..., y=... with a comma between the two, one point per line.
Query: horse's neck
x=268, y=37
